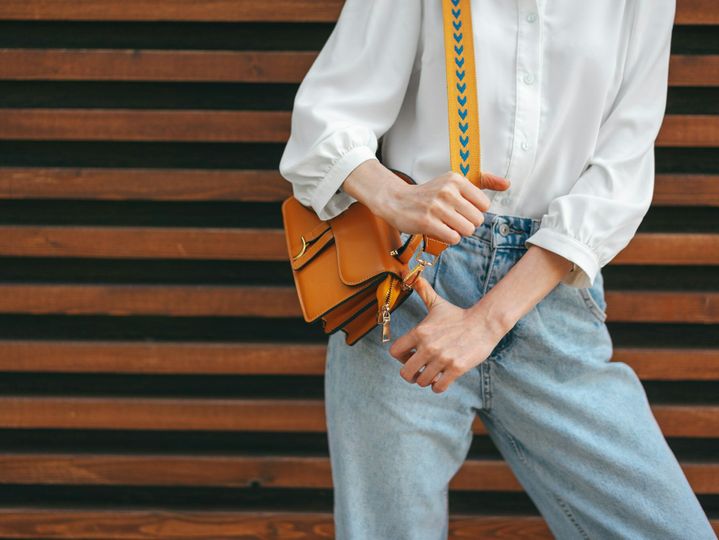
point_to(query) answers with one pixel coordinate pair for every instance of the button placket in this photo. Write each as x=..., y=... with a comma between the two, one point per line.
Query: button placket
x=528, y=103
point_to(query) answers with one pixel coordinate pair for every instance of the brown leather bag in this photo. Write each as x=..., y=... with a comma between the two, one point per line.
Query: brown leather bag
x=352, y=271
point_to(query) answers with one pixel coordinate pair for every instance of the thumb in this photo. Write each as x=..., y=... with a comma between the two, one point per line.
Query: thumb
x=491, y=181
x=426, y=292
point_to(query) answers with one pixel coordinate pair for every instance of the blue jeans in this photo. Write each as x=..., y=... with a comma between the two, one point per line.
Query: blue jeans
x=575, y=428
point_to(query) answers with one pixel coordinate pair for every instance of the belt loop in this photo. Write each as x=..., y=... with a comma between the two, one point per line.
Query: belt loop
x=493, y=231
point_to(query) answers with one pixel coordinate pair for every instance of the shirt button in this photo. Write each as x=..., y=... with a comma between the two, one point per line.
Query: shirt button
x=529, y=78
x=525, y=145
x=531, y=17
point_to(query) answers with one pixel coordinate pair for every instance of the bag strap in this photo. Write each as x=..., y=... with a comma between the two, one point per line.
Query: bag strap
x=462, y=109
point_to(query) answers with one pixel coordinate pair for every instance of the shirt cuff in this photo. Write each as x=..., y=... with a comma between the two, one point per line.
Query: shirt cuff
x=326, y=200
x=586, y=264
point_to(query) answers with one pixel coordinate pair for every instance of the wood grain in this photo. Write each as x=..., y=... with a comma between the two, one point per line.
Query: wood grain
x=274, y=415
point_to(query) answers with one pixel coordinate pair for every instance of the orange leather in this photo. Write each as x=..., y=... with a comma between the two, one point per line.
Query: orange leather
x=343, y=266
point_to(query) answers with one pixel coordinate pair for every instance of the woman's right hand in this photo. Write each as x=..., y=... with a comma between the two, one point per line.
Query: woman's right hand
x=445, y=208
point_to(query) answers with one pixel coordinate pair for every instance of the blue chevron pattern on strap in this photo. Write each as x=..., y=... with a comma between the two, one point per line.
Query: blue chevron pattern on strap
x=461, y=87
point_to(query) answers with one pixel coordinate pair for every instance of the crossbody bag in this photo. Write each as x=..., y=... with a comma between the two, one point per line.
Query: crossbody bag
x=352, y=271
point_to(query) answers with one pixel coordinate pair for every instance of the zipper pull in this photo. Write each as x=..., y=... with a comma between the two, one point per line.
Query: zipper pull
x=384, y=320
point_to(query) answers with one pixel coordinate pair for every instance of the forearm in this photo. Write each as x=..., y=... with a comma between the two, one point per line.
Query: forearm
x=531, y=278
x=371, y=182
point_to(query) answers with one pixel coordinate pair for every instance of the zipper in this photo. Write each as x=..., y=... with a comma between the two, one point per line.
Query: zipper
x=383, y=317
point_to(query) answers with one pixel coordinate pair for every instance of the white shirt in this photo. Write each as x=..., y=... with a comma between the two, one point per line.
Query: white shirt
x=571, y=98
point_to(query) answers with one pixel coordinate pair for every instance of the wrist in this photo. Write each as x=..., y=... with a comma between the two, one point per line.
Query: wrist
x=494, y=315
x=374, y=185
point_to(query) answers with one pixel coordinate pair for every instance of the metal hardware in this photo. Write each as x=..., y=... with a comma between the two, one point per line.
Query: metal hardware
x=383, y=318
x=416, y=271
x=302, y=251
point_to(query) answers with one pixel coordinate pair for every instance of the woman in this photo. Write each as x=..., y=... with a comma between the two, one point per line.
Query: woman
x=509, y=322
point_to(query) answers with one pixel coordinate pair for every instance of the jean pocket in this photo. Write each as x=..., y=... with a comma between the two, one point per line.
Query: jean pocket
x=593, y=298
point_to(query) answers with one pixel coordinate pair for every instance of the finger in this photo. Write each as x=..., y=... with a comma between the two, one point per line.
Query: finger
x=443, y=232
x=491, y=181
x=430, y=372
x=456, y=221
x=446, y=378
x=426, y=292
x=469, y=211
x=475, y=196
x=411, y=369
x=402, y=348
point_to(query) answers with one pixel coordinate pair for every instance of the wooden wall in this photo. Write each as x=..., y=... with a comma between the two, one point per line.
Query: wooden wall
x=157, y=379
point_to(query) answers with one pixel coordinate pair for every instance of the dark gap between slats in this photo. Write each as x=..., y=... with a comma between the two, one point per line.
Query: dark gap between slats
x=144, y=271
x=231, y=214
x=255, y=386
x=234, y=36
x=240, y=155
x=227, y=96
x=180, y=155
x=283, y=330
x=219, y=498
x=682, y=335
x=151, y=328
x=237, y=214
x=686, y=160
x=228, y=443
x=686, y=39
x=147, y=95
x=44, y=270
x=270, y=499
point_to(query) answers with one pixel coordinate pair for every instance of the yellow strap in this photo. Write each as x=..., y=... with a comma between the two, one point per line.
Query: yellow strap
x=462, y=107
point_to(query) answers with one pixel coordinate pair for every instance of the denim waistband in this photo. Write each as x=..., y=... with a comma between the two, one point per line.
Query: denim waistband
x=504, y=230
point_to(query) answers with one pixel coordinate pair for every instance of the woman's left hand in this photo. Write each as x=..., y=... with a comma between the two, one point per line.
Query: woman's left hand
x=449, y=341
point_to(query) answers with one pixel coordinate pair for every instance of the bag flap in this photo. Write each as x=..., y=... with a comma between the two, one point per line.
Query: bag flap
x=305, y=233
x=364, y=242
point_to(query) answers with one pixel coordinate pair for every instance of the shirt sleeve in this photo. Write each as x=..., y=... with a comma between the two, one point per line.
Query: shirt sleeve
x=602, y=212
x=349, y=98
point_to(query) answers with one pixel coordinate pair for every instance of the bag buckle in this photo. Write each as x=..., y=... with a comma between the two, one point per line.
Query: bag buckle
x=409, y=279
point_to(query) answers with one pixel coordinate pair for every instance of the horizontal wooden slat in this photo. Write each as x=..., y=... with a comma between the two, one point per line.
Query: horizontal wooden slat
x=163, y=524
x=297, y=415
x=697, y=12
x=162, y=357
x=260, y=185
x=686, y=190
x=670, y=364
x=174, y=300
x=689, y=130
x=173, y=10
x=269, y=244
x=694, y=70
x=663, y=306
x=688, y=11
x=144, y=242
x=670, y=249
x=276, y=359
x=157, y=65
x=245, y=471
x=236, y=126
x=144, y=125
x=229, y=66
x=242, y=185
x=255, y=301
